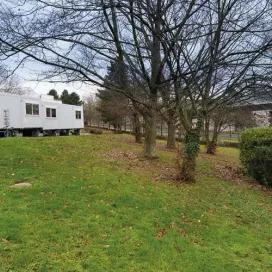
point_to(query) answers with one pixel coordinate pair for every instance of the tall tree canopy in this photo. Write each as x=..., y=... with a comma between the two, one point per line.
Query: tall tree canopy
x=72, y=99
x=204, y=53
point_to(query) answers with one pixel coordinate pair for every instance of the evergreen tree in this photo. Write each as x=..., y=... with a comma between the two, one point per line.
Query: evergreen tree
x=71, y=99
x=65, y=98
x=54, y=93
x=75, y=99
x=113, y=105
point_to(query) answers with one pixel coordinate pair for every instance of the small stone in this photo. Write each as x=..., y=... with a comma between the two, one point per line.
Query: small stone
x=21, y=185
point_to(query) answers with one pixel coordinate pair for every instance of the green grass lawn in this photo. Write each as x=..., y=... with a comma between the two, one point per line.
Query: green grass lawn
x=89, y=211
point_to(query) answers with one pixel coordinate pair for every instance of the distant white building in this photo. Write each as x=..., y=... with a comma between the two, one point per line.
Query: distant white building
x=38, y=114
x=262, y=113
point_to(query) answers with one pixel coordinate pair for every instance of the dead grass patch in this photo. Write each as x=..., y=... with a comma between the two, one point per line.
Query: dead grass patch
x=135, y=161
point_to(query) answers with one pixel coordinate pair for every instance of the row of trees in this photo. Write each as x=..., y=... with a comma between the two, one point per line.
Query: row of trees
x=72, y=98
x=107, y=109
x=177, y=58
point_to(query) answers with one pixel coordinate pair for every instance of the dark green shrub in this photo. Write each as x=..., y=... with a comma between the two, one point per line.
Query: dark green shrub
x=95, y=131
x=256, y=153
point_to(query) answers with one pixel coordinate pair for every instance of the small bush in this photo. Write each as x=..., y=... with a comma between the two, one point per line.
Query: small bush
x=95, y=131
x=256, y=153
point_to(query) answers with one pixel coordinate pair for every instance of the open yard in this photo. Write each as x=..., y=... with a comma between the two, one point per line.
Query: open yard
x=96, y=205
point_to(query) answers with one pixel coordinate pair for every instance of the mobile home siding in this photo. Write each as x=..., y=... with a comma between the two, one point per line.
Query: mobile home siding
x=19, y=119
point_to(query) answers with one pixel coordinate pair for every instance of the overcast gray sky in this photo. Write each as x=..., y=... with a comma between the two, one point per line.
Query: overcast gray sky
x=44, y=87
x=30, y=71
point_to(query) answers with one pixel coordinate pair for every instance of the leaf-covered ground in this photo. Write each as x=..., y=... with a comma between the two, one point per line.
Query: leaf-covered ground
x=96, y=205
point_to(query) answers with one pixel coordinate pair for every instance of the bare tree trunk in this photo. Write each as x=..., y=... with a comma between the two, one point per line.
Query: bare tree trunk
x=150, y=134
x=212, y=145
x=207, y=130
x=137, y=128
x=171, y=137
x=156, y=76
x=190, y=153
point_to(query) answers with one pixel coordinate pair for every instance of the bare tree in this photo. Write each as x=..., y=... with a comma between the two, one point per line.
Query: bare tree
x=80, y=38
x=10, y=83
x=137, y=125
x=217, y=59
x=216, y=122
x=91, y=114
x=169, y=115
x=204, y=52
x=225, y=117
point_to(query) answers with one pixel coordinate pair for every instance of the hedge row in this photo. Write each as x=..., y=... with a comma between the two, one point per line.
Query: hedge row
x=256, y=153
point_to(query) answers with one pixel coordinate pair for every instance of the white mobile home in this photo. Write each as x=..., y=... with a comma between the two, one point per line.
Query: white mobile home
x=34, y=115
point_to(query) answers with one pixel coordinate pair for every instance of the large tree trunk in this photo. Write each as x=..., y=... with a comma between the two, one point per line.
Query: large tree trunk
x=137, y=128
x=212, y=145
x=207, y=130
x=190, y=153
x=171, y=137
x=150, y=135
x=156, y=76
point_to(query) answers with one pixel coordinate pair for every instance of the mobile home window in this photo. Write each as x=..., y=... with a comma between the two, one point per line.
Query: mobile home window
x=29, y=108
x=51, y=112
x=78, y=114
x=32, y=109
x=54, y=113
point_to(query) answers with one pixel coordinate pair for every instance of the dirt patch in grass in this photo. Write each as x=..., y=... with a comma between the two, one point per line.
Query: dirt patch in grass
x=167, y=171
x=133, y=161
x=224, y=165
x=226, y=169
x=21, y=185
x=161, y=232
x=230, y=172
